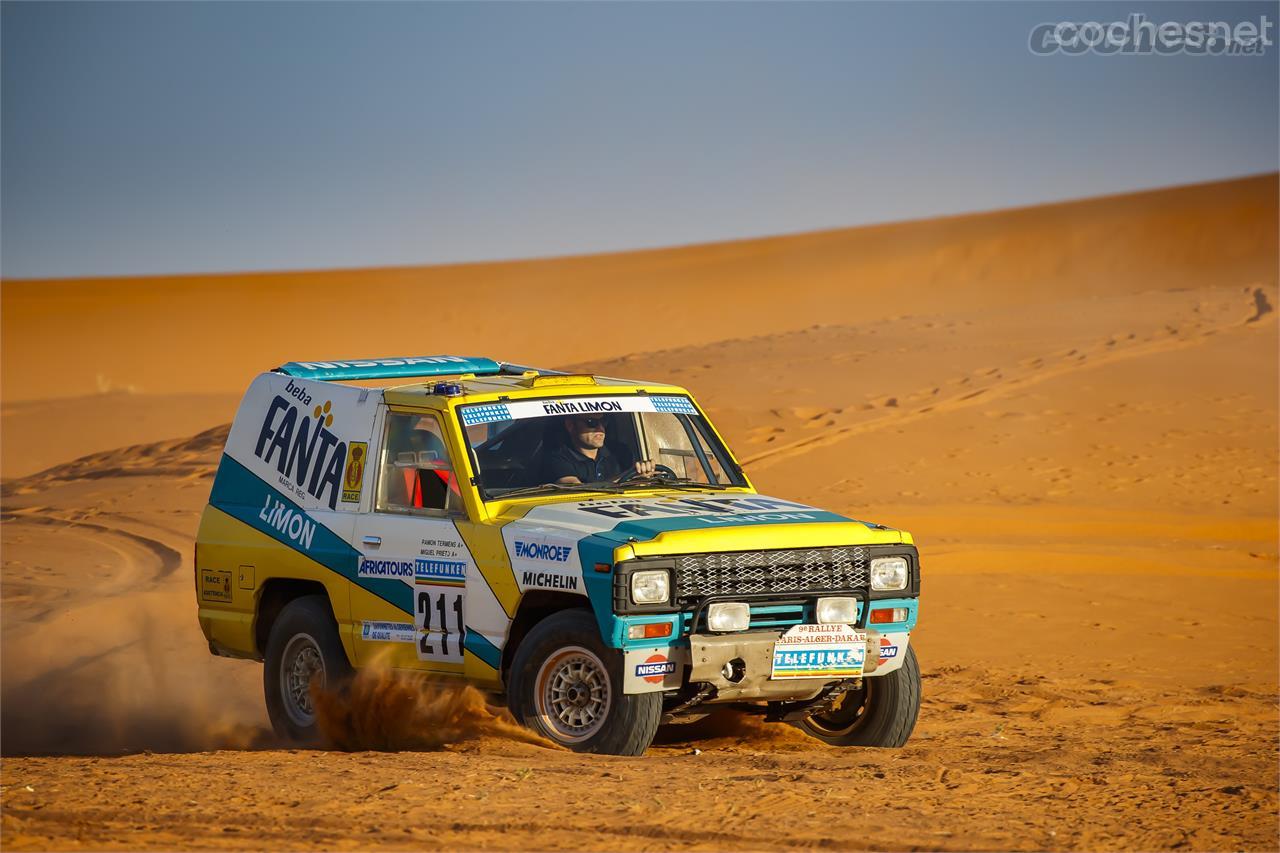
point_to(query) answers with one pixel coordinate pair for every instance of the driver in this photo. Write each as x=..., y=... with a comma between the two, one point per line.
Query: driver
x=584, y=458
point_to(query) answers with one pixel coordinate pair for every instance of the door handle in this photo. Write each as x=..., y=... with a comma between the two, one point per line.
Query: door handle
x=372, y=541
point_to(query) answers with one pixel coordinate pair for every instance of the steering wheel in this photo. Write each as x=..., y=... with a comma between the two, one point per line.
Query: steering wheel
x=660, y=470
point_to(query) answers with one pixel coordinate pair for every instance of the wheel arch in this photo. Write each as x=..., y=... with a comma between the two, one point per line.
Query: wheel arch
x=535, y=606
x=275, y=594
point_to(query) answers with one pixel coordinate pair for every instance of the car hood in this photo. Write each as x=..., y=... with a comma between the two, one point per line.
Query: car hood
x=691, y=522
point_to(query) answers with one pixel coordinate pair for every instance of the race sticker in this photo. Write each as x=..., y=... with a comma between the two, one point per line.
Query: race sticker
x=388, y=632
x=353, y=475
x=438, y=623
x=215, y=585
x=819, y=651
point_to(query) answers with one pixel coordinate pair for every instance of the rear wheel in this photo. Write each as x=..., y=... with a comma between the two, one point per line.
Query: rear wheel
x=303, y=646
x=882, y=713
x=566, y=685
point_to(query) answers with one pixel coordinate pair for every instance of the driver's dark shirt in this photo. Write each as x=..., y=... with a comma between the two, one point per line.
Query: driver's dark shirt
x=566, y=461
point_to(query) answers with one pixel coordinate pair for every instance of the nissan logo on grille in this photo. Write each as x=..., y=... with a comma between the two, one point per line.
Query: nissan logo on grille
x=747, y=572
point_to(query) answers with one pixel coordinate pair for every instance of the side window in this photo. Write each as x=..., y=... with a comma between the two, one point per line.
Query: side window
x=415, y=472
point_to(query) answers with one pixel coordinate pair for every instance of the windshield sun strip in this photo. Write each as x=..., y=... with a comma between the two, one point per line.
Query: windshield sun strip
x=714, y=444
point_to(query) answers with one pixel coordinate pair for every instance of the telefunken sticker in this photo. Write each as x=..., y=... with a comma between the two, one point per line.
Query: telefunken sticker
x=819, y=651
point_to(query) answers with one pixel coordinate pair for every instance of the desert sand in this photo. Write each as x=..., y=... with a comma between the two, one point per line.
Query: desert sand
x=1073, y=408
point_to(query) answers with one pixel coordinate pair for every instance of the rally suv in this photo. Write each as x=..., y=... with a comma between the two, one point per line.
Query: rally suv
x=587, y=546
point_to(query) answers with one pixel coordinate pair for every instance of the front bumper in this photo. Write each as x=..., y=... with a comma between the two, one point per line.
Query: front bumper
x=703, y=660
x=752, y=656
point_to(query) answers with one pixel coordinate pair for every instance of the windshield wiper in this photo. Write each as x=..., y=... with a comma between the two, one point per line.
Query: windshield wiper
x=558, y=487
x=682, y=483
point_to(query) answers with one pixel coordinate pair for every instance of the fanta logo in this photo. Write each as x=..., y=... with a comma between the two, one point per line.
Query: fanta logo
x=302, y=448
x=538, y=551
x=655, y=668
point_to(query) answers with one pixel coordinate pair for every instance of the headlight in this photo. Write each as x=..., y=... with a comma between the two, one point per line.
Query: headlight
x=837, y=611
x=889, y=573
x=728, y=616
x=652, y=587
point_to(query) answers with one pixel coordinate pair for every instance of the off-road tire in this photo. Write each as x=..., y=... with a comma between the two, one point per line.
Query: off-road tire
x=305, y=627
x=627, y=723
x=892, y=703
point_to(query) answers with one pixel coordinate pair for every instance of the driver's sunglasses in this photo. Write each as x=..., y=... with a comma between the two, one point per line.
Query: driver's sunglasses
x=591, y=423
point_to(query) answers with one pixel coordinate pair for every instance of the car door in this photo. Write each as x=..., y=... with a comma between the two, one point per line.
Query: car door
x=411, y=548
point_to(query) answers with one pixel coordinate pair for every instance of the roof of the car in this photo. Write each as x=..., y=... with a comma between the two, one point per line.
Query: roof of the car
x=465, y=379
x=527, y=386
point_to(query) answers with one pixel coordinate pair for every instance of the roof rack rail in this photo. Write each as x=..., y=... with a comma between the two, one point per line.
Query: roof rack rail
x=509, y=369
x=390, y=368
x=405, y=368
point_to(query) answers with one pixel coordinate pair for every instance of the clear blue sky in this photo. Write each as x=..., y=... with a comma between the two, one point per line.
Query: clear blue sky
x=183, y=137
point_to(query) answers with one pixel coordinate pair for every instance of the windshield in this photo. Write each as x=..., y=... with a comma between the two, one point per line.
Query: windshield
x=594, y=444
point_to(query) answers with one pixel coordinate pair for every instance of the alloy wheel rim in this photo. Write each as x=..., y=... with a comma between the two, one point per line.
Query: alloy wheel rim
x=574, y=694
x=298, y=665
x=847, y=715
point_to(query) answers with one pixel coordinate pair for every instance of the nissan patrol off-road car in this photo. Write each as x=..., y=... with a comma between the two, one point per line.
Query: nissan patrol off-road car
x=587, y=546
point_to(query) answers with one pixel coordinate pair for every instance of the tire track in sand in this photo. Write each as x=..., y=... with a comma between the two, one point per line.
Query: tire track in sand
x=1036, y=370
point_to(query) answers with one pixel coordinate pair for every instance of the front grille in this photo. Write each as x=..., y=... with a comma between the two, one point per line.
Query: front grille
x=751, y=572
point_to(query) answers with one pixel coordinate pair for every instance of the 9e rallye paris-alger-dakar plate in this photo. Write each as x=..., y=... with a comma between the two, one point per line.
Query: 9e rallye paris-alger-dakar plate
x=587, y=546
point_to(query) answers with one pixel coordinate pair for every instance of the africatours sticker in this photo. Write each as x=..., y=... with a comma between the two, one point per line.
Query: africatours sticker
x=402, y=569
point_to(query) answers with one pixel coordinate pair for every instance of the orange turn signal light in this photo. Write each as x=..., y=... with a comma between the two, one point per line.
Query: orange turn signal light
x=646, y=632
x=889, y=616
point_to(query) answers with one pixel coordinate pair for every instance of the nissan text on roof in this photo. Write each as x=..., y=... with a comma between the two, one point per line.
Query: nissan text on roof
x=415, y=527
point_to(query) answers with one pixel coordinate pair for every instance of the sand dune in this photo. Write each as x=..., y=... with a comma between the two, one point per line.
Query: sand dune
x=1073, y=408
x=208, y=334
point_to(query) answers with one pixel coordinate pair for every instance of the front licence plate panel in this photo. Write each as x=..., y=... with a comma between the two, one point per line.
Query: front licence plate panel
x=819, y=651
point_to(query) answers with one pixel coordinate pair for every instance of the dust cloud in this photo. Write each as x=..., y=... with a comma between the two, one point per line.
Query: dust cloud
x=392, y=710
x=135, y=696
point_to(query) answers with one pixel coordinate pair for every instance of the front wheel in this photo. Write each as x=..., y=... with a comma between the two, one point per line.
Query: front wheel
x=566, y=685
x=882, y=713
